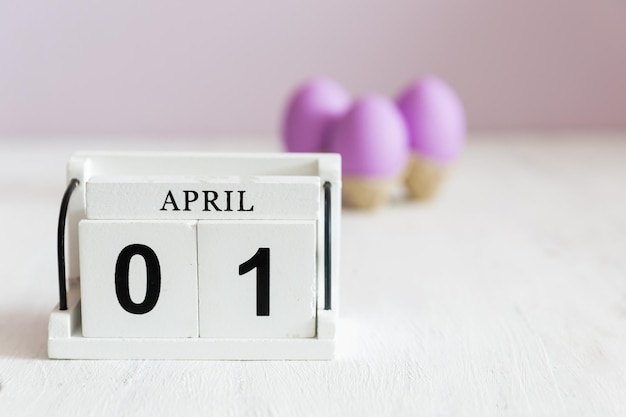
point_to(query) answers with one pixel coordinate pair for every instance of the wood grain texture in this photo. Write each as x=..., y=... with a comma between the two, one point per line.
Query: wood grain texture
x=505, y=296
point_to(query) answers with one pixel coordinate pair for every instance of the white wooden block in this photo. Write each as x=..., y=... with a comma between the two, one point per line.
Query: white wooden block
x=228, y=198
x=66, y=336
x=236, y=260
x=138, y=278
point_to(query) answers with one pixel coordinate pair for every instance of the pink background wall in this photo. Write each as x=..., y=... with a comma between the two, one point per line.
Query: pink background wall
x=151, y=67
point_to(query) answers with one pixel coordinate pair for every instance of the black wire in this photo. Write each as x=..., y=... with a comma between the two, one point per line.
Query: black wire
x=61, y=242
x=327, y=247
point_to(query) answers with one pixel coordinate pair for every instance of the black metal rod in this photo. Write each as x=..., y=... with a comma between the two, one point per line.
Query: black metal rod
x=61, y=242
x=327, y=248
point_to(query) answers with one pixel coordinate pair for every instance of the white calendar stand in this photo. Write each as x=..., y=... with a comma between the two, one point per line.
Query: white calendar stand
x=66, y=340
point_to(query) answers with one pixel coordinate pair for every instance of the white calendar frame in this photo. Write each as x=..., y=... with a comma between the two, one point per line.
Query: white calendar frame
x=65, y=339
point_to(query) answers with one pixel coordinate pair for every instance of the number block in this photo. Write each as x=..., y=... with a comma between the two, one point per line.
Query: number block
x=138, y=278
x=257, y=279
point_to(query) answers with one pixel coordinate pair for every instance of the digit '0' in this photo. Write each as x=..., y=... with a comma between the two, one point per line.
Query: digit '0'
x=153, y=278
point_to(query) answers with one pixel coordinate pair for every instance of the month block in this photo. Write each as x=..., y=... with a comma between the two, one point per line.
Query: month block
x=180, y=197
x=257, y=279
x=138, y=278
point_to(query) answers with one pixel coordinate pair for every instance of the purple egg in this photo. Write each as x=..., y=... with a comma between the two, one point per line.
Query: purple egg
x=312, y=109
x=435, y=119
x=371, y=138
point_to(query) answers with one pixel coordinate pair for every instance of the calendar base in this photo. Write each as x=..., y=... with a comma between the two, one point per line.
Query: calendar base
x=66, y=341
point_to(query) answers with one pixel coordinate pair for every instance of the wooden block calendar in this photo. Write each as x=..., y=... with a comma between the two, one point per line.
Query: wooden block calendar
x=198, y=256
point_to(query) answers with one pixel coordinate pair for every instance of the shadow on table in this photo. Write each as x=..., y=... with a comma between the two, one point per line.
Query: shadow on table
x=24, y=334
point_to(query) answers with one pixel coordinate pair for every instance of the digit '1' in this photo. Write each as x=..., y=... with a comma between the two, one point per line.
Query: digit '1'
x=260, y=261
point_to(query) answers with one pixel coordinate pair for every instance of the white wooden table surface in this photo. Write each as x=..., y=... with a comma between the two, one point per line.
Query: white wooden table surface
x=506, y=296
